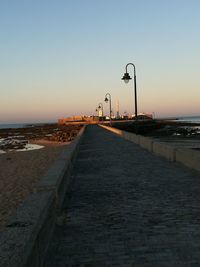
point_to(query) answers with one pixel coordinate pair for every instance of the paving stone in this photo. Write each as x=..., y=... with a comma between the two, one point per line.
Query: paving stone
x=127, y=207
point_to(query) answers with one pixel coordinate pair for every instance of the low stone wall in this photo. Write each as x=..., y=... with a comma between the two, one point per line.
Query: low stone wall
x=57, y=178
x=25, y=239
x=188, y=157
x=164, y=150
x=146, y=143
x=131, y=137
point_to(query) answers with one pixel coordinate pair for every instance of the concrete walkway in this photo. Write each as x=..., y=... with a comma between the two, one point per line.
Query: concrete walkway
x=127, y=207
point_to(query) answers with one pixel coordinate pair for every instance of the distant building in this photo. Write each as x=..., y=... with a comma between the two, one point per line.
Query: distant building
x=81, y=119
x=100, y=113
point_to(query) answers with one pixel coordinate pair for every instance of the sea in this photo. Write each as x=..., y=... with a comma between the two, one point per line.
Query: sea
x=190, y=119
x=21, y=125
x=13, y=125
x=195, y=119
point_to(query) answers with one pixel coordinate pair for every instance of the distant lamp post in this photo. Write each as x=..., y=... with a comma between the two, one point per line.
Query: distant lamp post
x=126, y=79
x=100, y=107
x=99, y=110
x=108, y=98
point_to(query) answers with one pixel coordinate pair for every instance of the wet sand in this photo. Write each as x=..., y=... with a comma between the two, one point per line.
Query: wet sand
x=20, y=171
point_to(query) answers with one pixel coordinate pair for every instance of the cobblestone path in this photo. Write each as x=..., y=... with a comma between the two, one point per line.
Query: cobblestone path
x=127, y=207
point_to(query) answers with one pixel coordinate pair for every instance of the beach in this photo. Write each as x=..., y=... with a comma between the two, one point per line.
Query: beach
x=20, y=170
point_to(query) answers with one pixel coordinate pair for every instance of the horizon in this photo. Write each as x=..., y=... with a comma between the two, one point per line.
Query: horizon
x=60, y=59
x=55, y=121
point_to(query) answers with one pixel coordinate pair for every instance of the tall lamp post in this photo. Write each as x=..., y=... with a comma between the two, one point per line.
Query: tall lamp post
x=100, y=107
x=126, y=79
x=108, y=98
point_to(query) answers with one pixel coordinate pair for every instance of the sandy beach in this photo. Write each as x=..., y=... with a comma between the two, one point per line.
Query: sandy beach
x=20, y=170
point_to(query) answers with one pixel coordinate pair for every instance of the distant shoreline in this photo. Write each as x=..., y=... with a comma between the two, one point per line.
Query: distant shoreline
x=192, y=120
x=23, y=125
x=179, y=122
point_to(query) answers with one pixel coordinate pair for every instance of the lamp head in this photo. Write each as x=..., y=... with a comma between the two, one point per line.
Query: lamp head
x=126, y=77
x=106, y=100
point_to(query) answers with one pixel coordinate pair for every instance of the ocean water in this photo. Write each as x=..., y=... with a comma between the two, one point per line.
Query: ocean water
x=14, y=125
x=190, y=119
x=20, y=125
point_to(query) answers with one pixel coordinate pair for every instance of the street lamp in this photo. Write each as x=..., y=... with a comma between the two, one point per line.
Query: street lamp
x=108, y=98
x=100, y=107
x=126, y=79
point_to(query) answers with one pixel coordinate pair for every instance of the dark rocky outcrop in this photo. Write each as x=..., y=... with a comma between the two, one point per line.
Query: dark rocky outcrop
x=13, y=139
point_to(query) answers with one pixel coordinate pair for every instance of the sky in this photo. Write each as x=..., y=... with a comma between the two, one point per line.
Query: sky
x=59, y=58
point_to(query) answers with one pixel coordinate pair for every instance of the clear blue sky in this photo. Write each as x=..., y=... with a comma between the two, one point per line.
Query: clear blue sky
x=59, y=58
